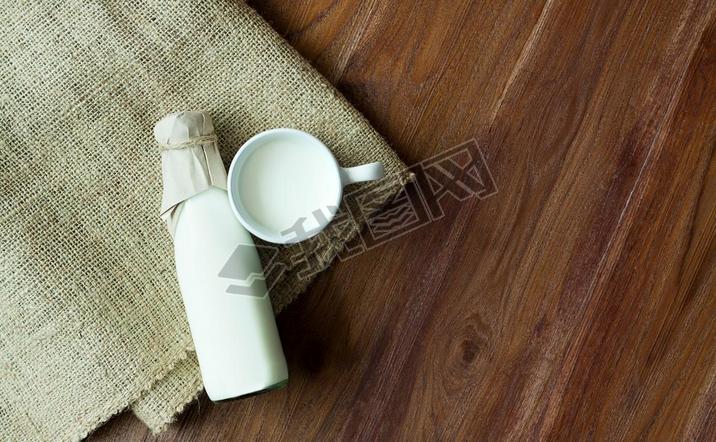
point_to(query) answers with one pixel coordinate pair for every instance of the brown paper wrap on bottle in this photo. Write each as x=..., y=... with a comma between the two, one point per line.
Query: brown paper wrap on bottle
x=191, y=162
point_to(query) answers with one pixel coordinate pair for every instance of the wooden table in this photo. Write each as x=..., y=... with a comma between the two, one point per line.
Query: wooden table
x=577, y=302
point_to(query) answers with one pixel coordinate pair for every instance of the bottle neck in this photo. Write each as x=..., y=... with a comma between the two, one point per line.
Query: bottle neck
x=191, y=169
x=191, y=162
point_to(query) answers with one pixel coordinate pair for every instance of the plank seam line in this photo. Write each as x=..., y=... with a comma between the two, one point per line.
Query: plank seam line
x=524, y=57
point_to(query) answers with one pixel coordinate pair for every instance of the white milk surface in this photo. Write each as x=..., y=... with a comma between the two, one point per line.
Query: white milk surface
x=286, y=179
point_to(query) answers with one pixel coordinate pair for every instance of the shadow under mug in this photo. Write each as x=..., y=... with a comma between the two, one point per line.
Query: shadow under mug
x=321, y=161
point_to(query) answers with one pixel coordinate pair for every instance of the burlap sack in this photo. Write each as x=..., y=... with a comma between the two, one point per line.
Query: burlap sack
x=91, y=319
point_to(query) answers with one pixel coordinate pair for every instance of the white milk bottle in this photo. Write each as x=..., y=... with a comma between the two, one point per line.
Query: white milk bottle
x=219, y=271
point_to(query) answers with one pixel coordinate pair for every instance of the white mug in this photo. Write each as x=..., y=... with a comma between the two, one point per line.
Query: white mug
x=285, y=185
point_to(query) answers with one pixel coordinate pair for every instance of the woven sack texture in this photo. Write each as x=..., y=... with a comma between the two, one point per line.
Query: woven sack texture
x=91, y=319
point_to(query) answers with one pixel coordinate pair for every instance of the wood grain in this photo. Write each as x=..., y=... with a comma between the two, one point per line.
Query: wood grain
x=577, y=303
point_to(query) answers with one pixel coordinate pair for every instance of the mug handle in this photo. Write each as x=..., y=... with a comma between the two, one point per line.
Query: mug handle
x=365, y=172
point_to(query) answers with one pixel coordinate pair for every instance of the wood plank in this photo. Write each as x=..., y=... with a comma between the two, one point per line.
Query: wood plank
x=655, y=314
x=575, y=303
